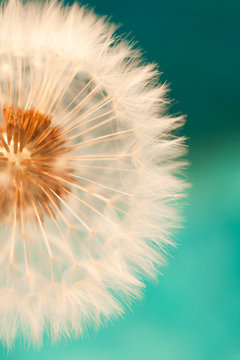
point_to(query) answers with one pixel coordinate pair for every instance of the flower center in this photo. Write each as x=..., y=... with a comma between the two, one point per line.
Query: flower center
x=32, y=174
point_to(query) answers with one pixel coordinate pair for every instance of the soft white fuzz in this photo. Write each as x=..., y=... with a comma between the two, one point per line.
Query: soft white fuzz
x=72, y=255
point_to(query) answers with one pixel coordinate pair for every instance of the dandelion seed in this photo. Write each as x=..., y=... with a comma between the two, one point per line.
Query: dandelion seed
x=87, y=171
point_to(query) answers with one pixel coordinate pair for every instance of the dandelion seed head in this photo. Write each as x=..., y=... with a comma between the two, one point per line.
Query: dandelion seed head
x=88, y=166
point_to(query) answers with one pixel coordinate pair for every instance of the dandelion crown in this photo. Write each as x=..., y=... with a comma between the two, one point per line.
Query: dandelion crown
x=87, y=171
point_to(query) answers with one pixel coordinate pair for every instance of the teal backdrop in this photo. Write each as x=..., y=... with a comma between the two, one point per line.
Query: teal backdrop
x=193, y=311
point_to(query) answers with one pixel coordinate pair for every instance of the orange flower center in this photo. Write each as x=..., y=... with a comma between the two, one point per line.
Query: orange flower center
x=32, y=174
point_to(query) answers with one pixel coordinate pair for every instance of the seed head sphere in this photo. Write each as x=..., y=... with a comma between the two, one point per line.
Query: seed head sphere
x=88, y=171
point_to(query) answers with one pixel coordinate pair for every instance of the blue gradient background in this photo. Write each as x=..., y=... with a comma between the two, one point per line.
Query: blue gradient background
x=193, y=312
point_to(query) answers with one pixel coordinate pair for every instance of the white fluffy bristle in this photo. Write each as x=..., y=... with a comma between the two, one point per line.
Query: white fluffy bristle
x=87, y=171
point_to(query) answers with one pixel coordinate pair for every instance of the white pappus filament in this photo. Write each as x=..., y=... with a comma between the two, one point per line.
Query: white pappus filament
x=87, y=171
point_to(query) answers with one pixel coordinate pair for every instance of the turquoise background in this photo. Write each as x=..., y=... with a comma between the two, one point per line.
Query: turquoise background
x=193, y=312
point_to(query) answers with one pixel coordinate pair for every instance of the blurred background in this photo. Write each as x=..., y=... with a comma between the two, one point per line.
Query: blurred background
x=193, y=311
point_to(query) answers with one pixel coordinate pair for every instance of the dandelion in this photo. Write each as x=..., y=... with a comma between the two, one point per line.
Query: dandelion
x=87, y=171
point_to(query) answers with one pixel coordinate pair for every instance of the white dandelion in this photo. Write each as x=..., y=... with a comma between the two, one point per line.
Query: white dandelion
x=87, y=171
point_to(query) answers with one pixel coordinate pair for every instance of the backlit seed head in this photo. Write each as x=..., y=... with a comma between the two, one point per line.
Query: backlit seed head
x=87, y=171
